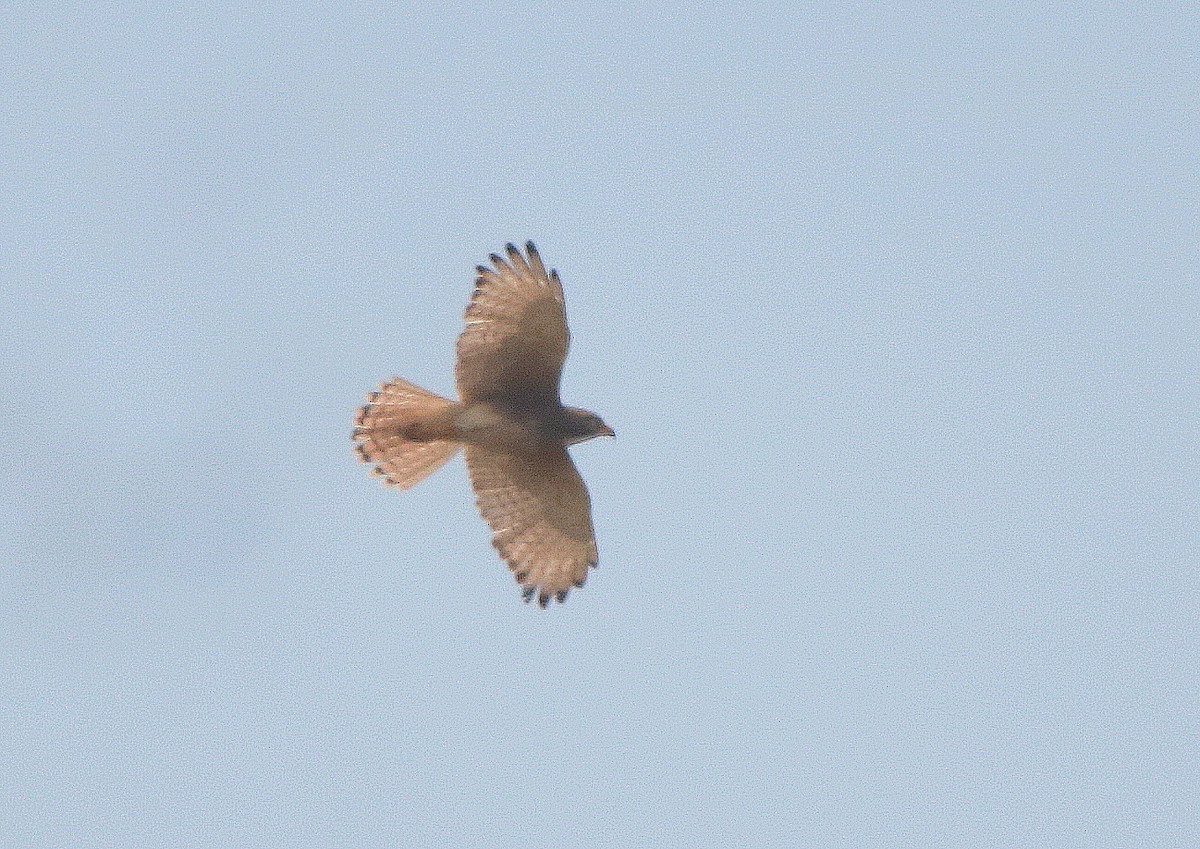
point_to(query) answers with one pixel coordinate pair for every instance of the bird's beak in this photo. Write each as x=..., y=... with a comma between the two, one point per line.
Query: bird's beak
x=608, y=431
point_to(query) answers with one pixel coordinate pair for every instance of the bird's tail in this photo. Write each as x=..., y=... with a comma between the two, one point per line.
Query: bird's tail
x=405, y=432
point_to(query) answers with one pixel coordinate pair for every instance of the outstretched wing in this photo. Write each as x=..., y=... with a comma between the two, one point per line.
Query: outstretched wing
x=540, y=516
x=512, y=349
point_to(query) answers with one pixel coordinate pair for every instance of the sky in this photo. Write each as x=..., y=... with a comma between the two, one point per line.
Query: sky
x=893, y=308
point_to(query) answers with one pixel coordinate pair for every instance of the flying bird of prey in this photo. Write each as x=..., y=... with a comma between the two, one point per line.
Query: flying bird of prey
x=510, y=422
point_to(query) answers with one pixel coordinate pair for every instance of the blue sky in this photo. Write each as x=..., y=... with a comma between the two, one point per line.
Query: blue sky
x=893, y=309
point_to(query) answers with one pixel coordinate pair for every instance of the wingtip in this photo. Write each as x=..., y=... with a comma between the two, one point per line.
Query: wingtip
x=543, y=598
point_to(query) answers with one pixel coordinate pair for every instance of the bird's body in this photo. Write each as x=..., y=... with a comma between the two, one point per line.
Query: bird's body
x=510, y=421
x=493, y=426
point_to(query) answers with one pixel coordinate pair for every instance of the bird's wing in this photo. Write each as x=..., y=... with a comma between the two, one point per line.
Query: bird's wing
x=540, y=516
x=515, y=341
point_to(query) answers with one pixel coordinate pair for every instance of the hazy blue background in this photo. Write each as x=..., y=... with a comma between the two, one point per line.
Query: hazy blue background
x=895, y=312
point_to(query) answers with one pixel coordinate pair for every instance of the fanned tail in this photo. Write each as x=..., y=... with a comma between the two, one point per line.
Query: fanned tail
x=405, y=432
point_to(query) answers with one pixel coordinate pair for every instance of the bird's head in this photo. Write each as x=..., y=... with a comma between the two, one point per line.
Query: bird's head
x=582, y=425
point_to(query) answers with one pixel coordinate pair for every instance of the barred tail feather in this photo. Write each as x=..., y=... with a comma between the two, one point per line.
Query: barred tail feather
x=405, y=432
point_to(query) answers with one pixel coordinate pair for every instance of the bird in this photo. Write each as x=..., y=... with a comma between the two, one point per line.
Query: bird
x=510, y=422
